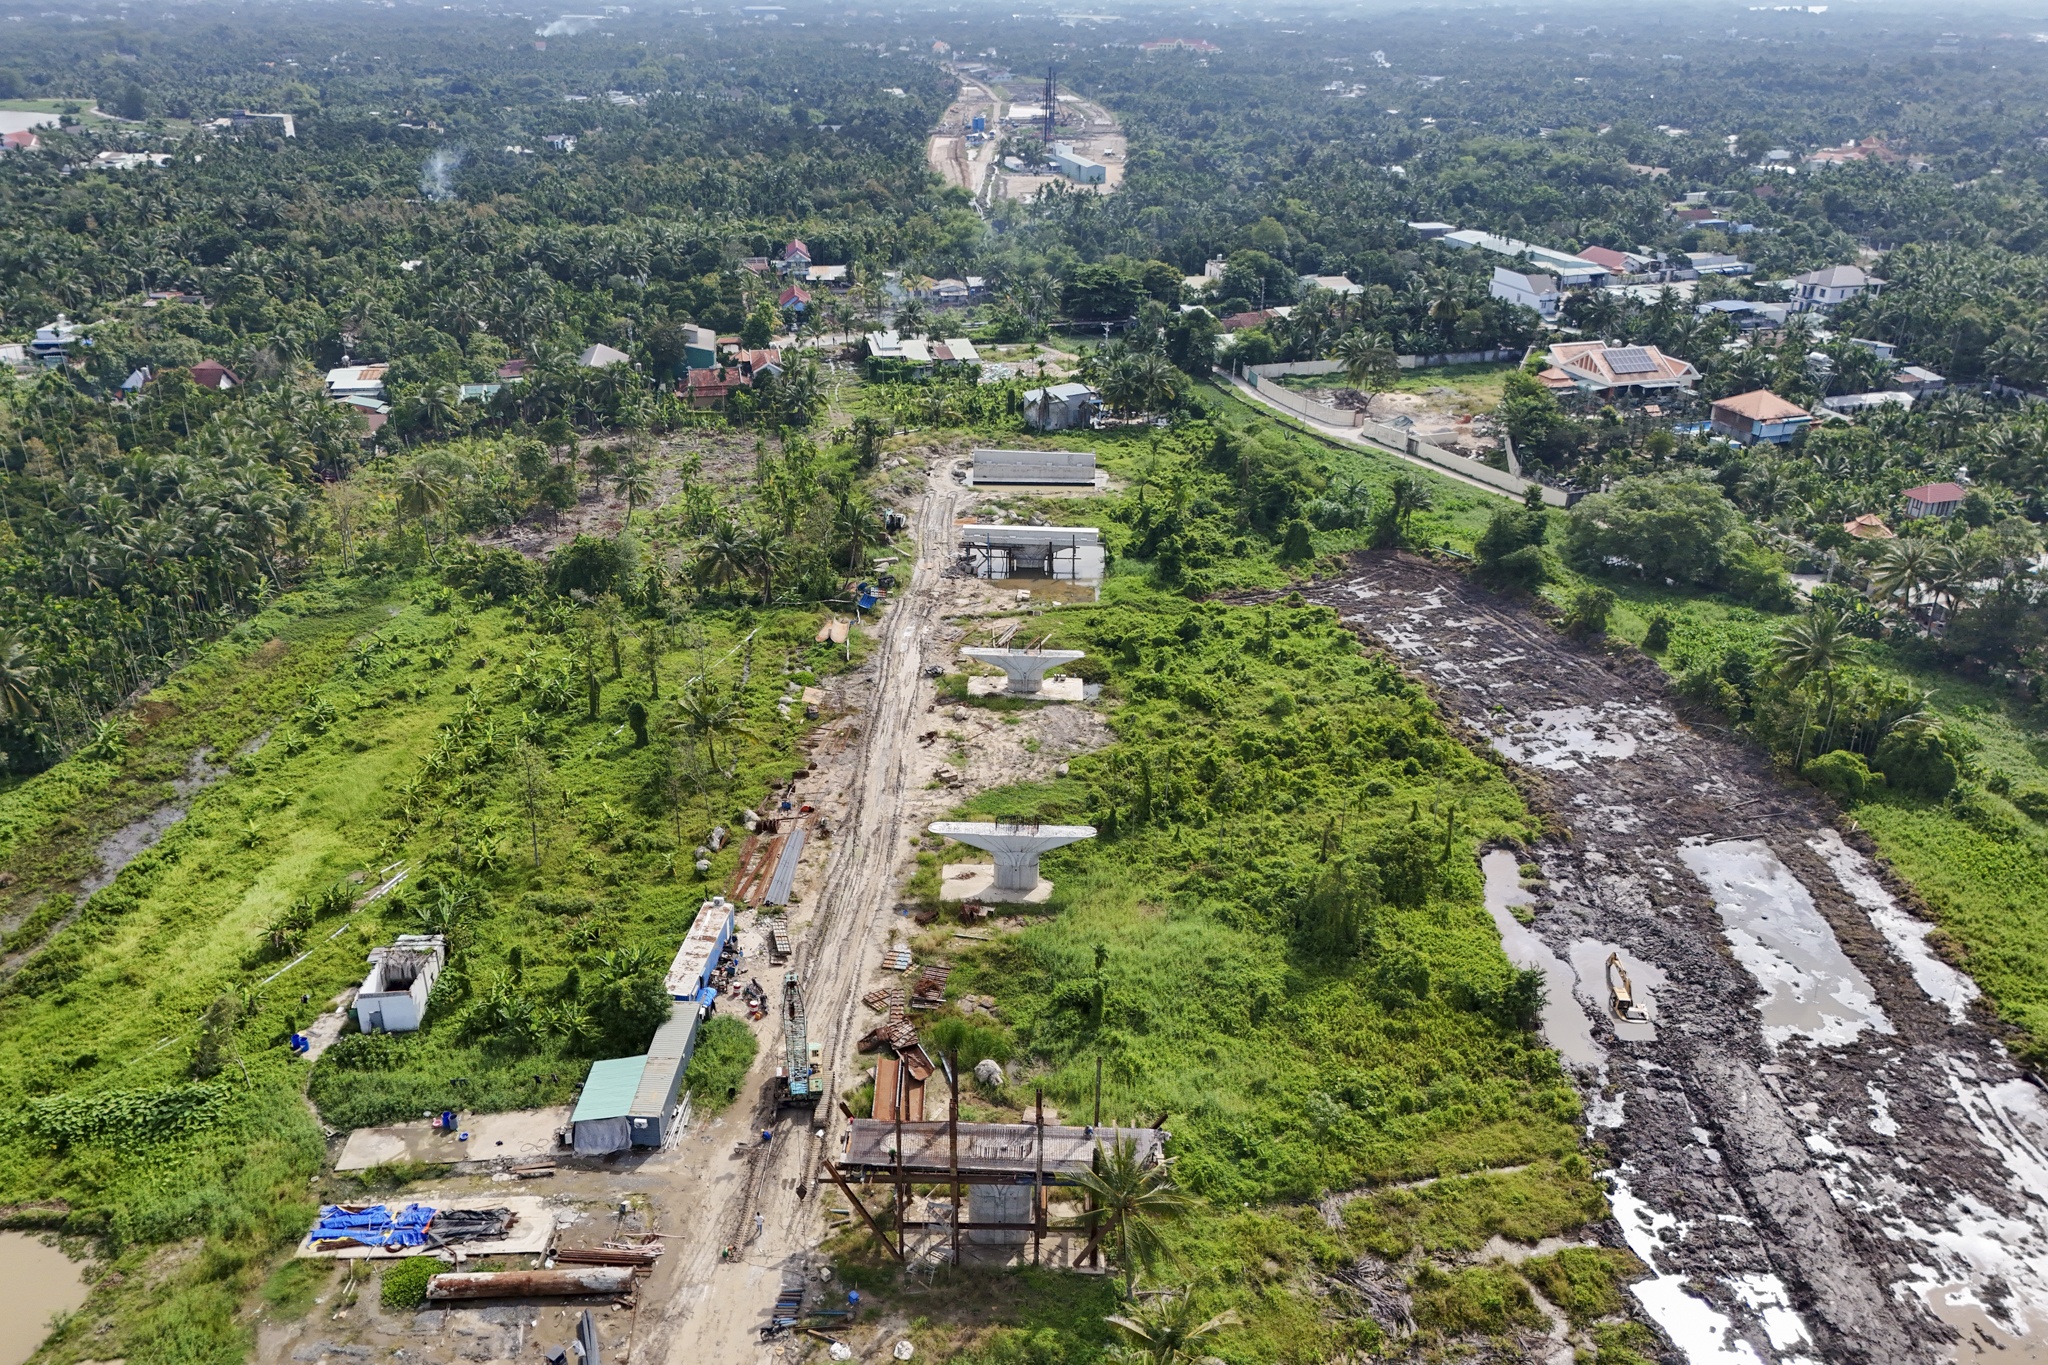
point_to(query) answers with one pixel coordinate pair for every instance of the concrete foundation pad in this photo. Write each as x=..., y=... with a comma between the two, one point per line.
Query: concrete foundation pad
x=533, y=1230
x=1052, y=689
x=977, y=882
x=520, y=1134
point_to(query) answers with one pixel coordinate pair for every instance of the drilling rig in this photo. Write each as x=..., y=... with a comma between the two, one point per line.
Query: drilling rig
x=799, y=1080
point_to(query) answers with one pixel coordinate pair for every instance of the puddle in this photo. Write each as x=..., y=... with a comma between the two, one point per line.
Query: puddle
x=138, y=836
x=1810, y=987
x=1564, y=1024
x=1703, y=1334
x=1906, y=933
x=1589, y=964
x=1569, y=737
x=41, y=1282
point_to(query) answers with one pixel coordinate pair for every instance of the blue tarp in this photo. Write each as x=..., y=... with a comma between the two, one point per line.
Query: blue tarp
x=707, y=997
x=374, y=1226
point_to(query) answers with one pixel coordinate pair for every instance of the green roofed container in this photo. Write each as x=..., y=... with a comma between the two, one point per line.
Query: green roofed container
x=602, y=1122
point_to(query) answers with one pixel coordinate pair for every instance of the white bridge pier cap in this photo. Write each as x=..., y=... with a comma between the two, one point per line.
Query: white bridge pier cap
x=1026, y=668
x=1016, y=847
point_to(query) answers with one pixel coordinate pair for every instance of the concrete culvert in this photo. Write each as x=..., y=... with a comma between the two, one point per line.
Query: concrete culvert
x=988, y=1071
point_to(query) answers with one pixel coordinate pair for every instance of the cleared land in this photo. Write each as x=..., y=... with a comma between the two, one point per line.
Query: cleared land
x=1821, y=1128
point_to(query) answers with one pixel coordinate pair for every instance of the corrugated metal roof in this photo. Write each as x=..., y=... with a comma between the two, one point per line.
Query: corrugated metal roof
x=785, y=870
x=667, y=1056
x=609, y=1089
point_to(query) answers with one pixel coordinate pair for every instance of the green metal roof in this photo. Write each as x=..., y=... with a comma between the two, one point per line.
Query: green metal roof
x=608, y=1090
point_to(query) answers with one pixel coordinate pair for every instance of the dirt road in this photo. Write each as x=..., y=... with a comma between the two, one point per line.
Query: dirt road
x=1817, y=1144
x=716, y=1308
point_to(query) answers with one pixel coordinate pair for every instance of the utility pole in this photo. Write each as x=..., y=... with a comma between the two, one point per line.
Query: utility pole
x=1051, y=101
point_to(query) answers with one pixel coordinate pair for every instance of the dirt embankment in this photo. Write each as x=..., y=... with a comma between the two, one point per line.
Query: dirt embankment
x=1817, y=1141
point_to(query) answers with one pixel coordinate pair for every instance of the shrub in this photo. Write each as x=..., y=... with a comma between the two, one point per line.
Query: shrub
x=1509, y=552
x=725, y=1052
x=1588, y=611
x=2032, y=802
x=1843, y=775
x=1583, y=1281
x=1658, y=637
x=1917, y=761
x=405, y=1284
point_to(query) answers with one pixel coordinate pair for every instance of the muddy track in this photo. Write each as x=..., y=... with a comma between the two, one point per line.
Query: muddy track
x=1817, y=1140
x=839, y=951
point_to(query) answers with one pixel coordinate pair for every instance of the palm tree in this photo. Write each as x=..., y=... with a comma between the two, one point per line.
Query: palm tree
x=1408, y=496
x=857, y=528
x=1902, y=566
x=1163, y=1332
x=423, y=490
x=1815, y=644
x=635, y=484
x=722, y=554
x=703, y=710
x=1131, y=1199
x=1369, y=362
x=17, y=678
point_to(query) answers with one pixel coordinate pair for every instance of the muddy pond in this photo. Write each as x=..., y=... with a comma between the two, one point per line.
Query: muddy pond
x=41, y=1283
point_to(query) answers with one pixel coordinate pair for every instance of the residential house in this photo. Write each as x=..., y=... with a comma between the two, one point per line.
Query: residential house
x=20, y=140
x=1335, y=284
x=1431, y=231
x=955, y=351
x=1595, y=367
x=1917, y=380
x=831, y=276
x=1178, y=44
x=477, y=393
x=795, y=257
x=949, y=292
x=514, y=370
x=1823, y=290
x=561, y=142
x=1933, y=500
x=760, y=265
x=710, y=388
x=601, y=356
x=1539, y=292
x=137, y=379
x=1617, y=262
x=54, y=340
x=211, y=374
x=700, y=347
x=1060, y=406
x=1848, y=404
x=357, y=382
x=14, y=356
x=1758, y=416
x=794, y=298
x=890, y=346
x=754, y=364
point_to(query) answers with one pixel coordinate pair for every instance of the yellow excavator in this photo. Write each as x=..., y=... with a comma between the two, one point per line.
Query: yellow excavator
x=1621, y=993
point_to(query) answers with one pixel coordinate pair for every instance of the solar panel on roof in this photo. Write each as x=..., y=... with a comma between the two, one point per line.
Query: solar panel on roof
x=1630, y=360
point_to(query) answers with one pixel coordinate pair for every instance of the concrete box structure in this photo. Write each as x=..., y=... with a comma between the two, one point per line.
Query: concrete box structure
x=1075, y=467
x=393, y=997
x=689, y=975
x=1071, y=553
